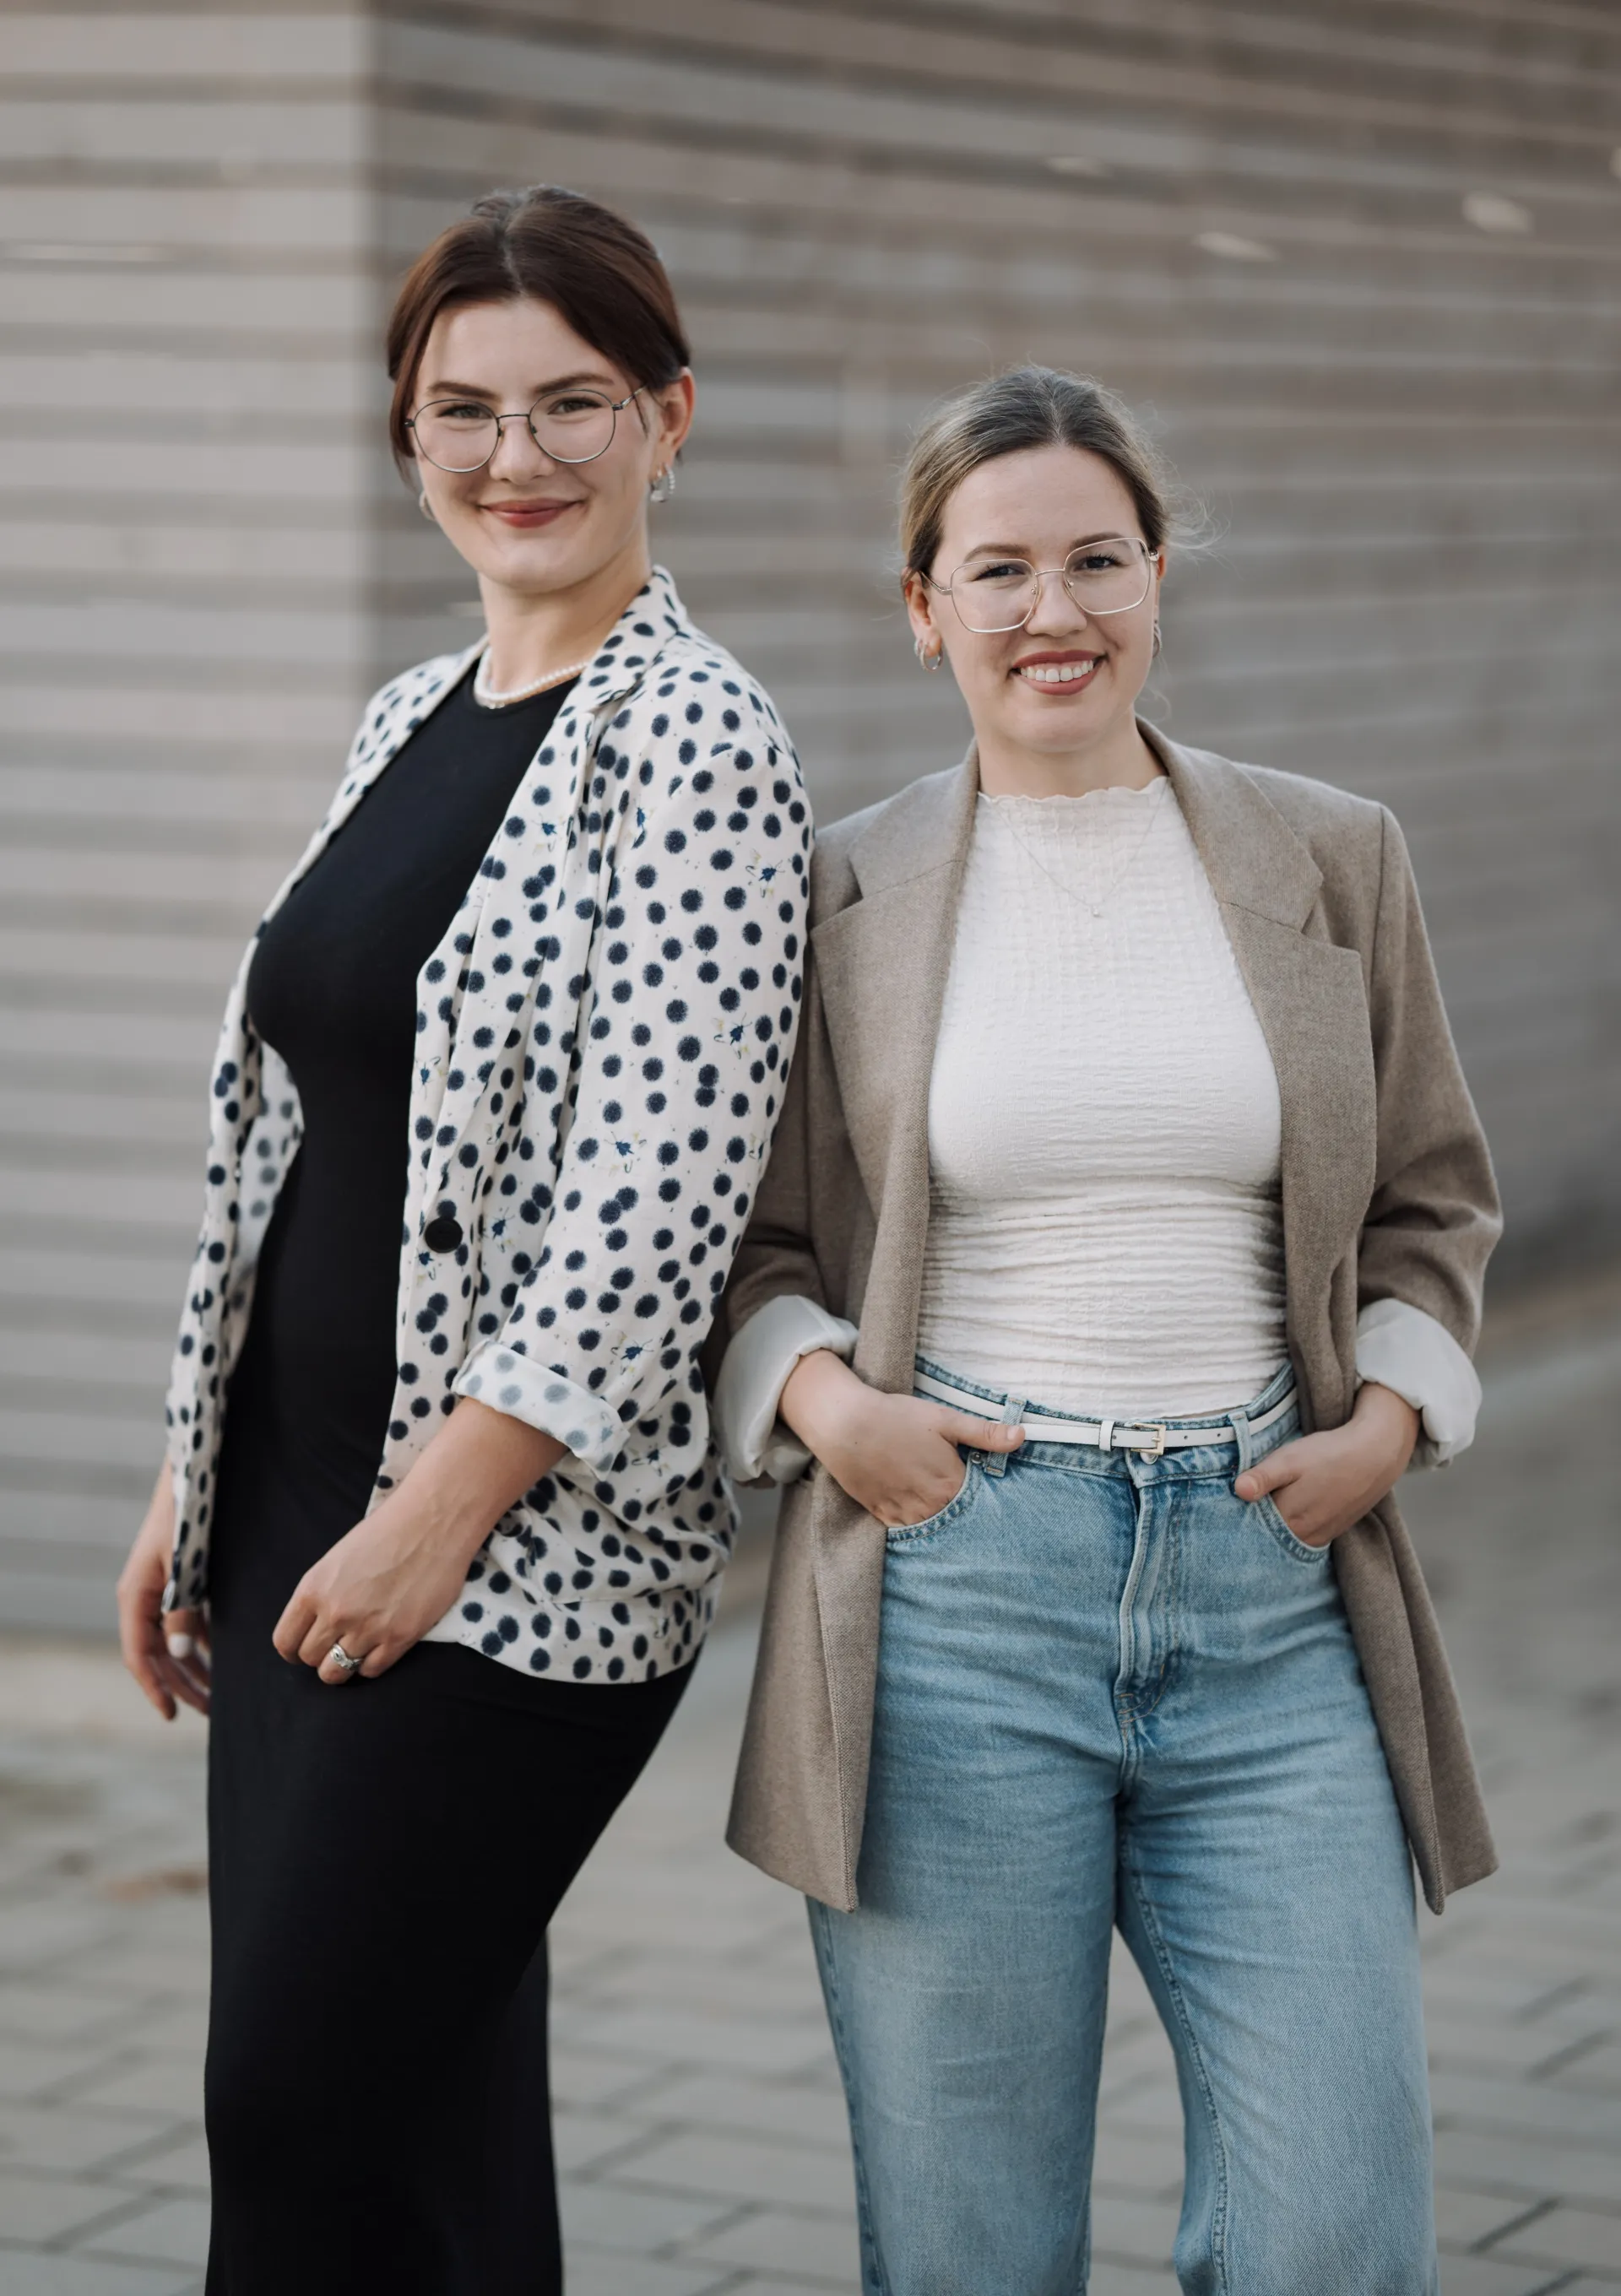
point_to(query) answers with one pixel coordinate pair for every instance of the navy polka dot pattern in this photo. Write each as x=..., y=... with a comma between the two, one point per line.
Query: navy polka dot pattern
x=602, y=1038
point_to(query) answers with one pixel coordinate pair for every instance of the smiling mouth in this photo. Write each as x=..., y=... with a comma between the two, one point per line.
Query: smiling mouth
x=1054, y=676
x=526, y=510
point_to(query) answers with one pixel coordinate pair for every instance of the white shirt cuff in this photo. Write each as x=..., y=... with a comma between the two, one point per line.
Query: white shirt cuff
x=753, y=1372
x=1401, y=1347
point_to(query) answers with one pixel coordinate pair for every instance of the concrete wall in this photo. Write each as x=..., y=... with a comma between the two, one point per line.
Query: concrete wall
x=187, y=269
x=1356, y=259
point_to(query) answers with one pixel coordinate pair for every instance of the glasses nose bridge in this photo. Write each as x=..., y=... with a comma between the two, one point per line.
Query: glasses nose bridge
x=524, y=415
x=1041, y=574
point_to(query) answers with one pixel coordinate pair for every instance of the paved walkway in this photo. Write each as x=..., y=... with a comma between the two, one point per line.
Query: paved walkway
x=700, y=2131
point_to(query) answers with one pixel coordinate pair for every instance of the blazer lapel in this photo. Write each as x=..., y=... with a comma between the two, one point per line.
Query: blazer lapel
x=881, y=965
x=1310, y=998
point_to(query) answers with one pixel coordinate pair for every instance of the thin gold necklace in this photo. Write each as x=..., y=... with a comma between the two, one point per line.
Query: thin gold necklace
x=488, y=698
x=1094, y=909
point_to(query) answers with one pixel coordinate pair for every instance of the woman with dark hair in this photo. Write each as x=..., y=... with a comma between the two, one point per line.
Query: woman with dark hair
x=1122, y=1246
x=494, y=1088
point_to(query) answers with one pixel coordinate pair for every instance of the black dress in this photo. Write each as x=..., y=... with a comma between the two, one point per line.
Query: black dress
x=377, y=2091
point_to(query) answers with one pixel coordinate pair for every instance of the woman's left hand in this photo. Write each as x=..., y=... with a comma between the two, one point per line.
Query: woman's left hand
x=395, y=1575
x=1322, y=1484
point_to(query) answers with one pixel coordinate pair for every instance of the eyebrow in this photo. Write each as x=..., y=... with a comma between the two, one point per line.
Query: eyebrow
x=440, y=387
x=1019, y=550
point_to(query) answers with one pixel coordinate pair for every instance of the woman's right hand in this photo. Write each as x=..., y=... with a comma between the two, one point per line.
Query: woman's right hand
x=166, y=1651
x=895, y=1456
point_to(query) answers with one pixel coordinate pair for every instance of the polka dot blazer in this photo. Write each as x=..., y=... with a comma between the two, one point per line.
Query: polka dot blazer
x=603, y=1038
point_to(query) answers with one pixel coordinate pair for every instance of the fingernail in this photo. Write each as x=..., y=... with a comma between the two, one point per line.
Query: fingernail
x=180, y=1645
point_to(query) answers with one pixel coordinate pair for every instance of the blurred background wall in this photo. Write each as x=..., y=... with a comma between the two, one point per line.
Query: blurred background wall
x=1357, y=259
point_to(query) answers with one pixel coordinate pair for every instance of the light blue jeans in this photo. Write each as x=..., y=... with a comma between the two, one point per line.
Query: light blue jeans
x=1110, y=1691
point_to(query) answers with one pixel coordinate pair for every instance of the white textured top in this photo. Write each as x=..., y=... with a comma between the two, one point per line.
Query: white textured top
x=1106, y=1229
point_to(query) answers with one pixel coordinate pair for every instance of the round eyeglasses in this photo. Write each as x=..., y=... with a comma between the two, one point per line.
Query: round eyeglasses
x=992, y=594
x=569, y=426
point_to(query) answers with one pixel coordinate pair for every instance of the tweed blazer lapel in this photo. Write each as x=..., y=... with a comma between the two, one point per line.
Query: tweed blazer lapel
x=1311, y=1000
x=881, y=965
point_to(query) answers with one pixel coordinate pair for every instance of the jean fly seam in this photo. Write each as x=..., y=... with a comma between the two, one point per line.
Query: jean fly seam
x=1169, y=1591
x=1124, y=1705
x=1218, y=2223
x=835, y=2026
x=1130, y=1703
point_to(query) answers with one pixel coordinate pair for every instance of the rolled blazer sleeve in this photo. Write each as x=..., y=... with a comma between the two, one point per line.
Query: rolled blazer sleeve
x=1433, y=1216
x=685, y=1040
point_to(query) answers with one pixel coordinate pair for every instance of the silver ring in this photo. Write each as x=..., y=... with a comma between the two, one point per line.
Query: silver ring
x=338, y=1656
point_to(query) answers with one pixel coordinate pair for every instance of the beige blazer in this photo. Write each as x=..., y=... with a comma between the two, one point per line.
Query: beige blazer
x=1387, y=1194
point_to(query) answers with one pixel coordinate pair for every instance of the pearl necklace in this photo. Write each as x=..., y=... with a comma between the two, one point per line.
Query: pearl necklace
x=488, y=698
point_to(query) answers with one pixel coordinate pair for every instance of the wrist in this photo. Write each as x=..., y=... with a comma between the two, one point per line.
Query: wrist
x=478, y=1462
x=815, y=1393
x=444, y=1509
x=1387, y=1417
x=429, y=1511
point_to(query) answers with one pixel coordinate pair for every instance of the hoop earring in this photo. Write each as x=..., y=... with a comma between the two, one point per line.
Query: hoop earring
x=930, y=661
x=427, y=507
x=1158, y=642
x=663, y=486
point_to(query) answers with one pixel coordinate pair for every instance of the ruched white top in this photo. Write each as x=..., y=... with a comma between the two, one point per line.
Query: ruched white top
x=1106, y=1222
x=1105, y=1229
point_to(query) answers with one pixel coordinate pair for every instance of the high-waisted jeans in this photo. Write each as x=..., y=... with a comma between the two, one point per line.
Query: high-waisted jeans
x=1110, y=1691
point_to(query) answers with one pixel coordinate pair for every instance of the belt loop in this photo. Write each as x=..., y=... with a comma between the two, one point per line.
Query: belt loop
x=1013, y=1411
x=1239, y=1421
x=1106, y=1435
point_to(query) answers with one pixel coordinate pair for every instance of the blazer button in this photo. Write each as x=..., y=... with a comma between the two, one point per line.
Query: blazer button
x=442, y=1234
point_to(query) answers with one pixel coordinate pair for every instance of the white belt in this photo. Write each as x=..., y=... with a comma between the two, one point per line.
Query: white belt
x=1150, y=1437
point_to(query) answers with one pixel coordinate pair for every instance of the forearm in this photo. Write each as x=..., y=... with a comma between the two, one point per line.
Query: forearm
x=479, y=1464
x=819, y=1396
x=1387, y=1419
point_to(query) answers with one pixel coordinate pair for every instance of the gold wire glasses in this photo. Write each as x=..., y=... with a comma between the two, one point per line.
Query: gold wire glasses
x=993, y=593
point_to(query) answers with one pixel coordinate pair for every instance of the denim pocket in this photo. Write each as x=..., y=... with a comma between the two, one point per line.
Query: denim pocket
x=911, y=1534
x=1295, y=1547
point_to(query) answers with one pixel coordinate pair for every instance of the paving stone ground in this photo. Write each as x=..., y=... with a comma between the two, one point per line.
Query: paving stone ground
x=700, y=2132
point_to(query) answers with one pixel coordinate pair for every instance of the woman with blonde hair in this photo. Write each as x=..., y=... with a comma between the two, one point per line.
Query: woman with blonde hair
x=493, y=1089
x=1122, y=1246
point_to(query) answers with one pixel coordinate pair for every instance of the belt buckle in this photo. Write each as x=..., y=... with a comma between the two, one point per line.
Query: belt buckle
x=1156, y=1450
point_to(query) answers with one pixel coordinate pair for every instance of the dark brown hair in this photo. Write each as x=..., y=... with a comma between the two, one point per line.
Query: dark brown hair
x=601, y=273
x=1031, y=406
